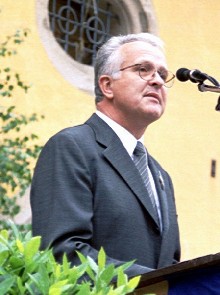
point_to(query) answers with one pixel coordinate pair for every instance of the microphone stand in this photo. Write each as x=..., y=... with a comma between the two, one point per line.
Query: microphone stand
x=202, y=87
x=216, y=88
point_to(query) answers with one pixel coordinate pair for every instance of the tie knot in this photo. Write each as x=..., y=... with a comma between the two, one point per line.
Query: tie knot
x=139, y=149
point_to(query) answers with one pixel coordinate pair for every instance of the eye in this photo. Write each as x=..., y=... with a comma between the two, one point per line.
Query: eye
x=147, y=68
x=142, y=69
x=163, y=74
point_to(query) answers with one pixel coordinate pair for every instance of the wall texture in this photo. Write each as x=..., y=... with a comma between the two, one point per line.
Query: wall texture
x=185, y=140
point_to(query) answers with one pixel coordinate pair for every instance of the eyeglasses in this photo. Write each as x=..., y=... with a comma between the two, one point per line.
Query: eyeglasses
x=147, y=71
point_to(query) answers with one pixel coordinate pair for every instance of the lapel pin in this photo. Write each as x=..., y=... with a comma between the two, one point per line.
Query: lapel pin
x=161, y=181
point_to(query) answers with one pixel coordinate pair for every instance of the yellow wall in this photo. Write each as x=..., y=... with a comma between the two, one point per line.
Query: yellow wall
x=188, y=136
x=50, y=94
x=184, y=140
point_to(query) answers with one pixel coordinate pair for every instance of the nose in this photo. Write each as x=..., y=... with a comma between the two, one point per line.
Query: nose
x=156, y=79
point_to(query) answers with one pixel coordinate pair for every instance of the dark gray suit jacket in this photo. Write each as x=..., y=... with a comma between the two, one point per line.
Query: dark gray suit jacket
x=87, y=193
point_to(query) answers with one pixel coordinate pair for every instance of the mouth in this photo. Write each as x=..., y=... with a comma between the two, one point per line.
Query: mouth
x=154, y=95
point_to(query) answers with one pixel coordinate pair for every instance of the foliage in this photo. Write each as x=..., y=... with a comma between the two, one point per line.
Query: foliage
x=16, y=152
x=10, y=79
x=24, y=269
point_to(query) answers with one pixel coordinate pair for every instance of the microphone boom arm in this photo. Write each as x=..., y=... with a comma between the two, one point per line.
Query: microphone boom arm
x=203, y=87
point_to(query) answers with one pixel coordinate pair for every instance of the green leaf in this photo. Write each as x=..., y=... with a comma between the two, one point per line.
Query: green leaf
x=56, y=288
x=92, y=264
x=107, y=274
x=55, y=291
x=5, y=234
x=133, y=283
x=101, y=258
x=15, y=230
x=57, y=271
x=66, y=264
x=84, y=289
x=78, y=271
x=31, y=248
x=16, y=262
x=20, y=286
x=30, y=289
x=4, y=241
x=41, y=280
x=123, y=266
x=84, y=260
x=122, y=278
x=118, y=291
x=4, y=253
x=20, y=246
x=6, y=284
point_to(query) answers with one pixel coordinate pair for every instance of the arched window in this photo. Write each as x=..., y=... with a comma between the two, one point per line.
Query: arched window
x=73, y=30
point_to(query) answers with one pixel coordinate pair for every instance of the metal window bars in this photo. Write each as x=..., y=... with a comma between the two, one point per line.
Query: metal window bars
x=80, y=26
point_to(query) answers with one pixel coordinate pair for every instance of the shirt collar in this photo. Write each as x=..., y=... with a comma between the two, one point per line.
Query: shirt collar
x=128, y=140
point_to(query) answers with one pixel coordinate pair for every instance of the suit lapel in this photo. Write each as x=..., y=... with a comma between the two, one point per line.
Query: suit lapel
x=118, y=157
x=129, y=173
x=161, y=191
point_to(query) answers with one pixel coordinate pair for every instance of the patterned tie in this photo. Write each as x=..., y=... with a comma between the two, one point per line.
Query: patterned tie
x=140, y=160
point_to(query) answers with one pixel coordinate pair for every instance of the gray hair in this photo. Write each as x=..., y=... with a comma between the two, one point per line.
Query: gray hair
x=109, y=59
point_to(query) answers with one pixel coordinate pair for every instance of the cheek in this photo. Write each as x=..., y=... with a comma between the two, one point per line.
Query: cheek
x=164, y=94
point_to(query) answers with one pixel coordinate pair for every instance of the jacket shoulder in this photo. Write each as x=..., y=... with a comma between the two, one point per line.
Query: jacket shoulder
x=75, y=133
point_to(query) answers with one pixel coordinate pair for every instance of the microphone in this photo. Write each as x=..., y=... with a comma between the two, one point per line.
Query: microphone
x=194, y=76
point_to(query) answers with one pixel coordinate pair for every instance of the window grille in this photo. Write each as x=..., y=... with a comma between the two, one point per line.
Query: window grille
x=81, y=26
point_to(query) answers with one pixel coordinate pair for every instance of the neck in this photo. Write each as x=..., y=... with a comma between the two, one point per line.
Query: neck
x=137, y=130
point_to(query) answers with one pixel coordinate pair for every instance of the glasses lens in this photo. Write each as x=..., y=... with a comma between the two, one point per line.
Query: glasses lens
x=146, y=70
x=169, y=79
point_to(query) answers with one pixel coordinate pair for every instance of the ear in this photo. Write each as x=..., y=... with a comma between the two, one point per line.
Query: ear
x=105, y=84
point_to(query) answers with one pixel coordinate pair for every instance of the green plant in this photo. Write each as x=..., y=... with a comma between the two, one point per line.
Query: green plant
x=24, y=269
x=16, y=151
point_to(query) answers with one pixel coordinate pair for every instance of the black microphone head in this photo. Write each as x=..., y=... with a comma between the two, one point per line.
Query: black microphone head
x=182, y=74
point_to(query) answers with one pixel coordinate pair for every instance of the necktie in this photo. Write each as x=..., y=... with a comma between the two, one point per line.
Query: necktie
x=140, y=160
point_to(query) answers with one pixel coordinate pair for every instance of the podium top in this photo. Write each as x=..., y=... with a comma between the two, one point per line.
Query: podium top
x=178, y=269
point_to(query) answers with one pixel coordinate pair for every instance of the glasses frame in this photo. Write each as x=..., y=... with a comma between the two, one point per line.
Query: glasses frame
x=135, y=65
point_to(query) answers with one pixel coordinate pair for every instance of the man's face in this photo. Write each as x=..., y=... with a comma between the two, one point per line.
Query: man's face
x=136, y=100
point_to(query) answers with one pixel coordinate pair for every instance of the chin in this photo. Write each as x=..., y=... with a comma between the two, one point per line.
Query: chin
x=155, y=111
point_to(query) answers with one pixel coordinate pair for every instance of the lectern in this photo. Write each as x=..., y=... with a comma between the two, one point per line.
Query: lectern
x=200, y=276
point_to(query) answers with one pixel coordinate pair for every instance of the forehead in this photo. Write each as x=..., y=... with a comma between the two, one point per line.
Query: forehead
x=139, y=52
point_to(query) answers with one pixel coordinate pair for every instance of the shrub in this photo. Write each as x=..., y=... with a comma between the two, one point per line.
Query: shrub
x=24, y=269
x=17, y=150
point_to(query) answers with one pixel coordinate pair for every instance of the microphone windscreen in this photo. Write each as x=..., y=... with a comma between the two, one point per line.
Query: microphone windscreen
x=182, y=74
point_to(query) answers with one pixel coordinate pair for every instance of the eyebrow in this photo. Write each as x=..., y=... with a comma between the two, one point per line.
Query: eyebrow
x=145, y=62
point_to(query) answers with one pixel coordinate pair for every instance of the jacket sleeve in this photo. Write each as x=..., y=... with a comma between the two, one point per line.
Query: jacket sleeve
x=62, y=201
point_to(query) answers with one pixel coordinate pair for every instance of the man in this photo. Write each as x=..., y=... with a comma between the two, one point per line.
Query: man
x=87, y=191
